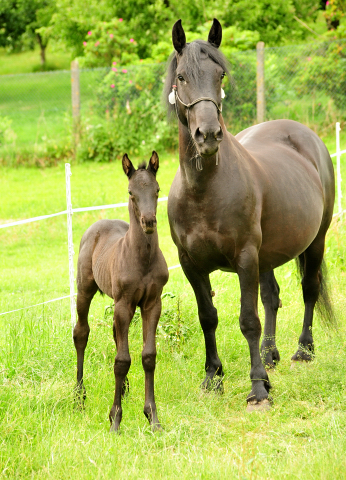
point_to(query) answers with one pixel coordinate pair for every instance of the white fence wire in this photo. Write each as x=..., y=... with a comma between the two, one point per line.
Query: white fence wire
x=70, y=211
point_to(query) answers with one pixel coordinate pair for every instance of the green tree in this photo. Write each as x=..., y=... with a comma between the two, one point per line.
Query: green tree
x=22, y=22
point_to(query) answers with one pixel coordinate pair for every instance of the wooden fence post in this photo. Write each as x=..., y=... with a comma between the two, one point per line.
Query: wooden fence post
x=75, y=91
x=260, y=83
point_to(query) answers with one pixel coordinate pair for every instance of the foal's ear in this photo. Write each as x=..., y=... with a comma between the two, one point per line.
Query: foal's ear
x=153, y=163
x=215, y=34
x=178, y=36
x=128, y=168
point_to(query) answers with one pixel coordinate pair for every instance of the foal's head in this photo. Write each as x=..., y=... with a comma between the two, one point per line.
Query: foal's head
x=143, y=191
x=195, y=74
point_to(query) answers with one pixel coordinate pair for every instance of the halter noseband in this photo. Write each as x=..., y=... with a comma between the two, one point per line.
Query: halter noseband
x=174, y=96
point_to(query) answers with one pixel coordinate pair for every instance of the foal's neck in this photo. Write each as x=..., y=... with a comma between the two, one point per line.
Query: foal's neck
x=145, y=245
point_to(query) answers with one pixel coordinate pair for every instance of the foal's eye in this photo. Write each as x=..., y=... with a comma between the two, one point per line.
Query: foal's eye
x=180, y=78
x=130, y=193
x=223, y=75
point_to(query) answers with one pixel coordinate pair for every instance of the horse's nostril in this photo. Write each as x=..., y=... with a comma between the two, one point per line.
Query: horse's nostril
x=219, y=134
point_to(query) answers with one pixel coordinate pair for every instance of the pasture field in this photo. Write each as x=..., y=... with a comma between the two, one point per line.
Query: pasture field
x=206, y=435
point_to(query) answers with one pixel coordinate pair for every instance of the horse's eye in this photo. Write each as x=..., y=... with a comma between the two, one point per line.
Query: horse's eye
x=158, y=190
x=223, y=75
x=130, y=193
x=180, y=78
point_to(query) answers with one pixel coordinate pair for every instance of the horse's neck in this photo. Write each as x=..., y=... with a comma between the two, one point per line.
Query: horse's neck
x=199, y=180
x=143, y=245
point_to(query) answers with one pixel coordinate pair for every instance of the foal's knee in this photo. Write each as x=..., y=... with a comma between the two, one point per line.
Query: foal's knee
x=148, y=361
x=81, y=334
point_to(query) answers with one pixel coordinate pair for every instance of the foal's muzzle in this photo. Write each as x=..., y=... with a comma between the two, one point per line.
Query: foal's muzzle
x=148, y=223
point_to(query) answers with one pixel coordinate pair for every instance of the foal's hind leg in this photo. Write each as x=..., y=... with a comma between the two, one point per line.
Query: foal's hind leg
x=82, y=329
x=311, y=282
x=270, y=298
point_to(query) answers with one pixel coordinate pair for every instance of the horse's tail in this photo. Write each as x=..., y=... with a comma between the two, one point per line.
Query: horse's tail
x=323, y=305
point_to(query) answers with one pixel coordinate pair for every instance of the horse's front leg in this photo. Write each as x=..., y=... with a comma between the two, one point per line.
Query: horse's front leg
x=207, y=313
x=123, y=313
x=150, y=315
x=247, y=269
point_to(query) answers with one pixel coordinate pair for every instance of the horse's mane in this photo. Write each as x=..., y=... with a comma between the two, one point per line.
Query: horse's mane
x=193, y=53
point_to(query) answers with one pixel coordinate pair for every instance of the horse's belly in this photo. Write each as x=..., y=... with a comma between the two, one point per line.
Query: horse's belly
x=286, y=239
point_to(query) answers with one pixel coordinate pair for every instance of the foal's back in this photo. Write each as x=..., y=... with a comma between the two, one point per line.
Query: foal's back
x=98, y=249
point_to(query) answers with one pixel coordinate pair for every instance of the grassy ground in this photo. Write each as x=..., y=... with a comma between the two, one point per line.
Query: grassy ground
x=29, y=61
x=205, y=435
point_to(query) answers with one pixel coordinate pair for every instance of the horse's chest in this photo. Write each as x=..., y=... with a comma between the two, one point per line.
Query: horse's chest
x=208, y=244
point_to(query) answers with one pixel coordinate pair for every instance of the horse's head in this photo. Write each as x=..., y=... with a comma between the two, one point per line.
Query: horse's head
x=195, y=75
x=143, y=191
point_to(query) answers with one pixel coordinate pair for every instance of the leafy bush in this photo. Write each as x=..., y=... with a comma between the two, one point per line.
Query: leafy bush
x=129, y=115
x=107, y=43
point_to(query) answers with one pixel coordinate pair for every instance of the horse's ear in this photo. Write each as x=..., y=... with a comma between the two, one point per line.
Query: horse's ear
x=178, y=36
x=128, y=168
x=215, y=34
x=153, y=163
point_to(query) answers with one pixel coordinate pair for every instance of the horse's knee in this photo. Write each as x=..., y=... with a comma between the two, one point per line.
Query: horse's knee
x=208, y=319
x=122, y=365
x=250, y=325
x=149, y=361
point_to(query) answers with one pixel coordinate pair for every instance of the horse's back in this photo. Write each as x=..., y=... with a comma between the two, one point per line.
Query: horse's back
x=277, y=135
x=296, y=176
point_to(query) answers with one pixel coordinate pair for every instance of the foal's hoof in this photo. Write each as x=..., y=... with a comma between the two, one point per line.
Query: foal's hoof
x=156, y=427
x=262, y=406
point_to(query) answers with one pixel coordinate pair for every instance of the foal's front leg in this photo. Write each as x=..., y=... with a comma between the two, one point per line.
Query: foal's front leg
x=251, y=327
x=123, y=313
x=150, y=315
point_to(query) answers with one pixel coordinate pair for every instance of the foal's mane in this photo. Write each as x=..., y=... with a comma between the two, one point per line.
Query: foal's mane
x=193, y=53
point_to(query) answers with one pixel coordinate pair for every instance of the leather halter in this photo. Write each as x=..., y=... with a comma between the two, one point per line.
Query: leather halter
x=188, y=106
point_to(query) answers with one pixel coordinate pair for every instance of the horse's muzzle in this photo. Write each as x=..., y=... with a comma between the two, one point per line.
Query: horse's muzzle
x=148, y=223
x=208, y=140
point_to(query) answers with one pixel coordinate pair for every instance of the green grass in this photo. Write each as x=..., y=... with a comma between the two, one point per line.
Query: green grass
x=205, y=435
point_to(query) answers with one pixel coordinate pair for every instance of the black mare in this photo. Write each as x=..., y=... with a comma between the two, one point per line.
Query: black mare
x=245, y=204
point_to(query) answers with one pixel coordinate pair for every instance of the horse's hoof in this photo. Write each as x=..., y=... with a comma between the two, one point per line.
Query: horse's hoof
x=262, y=406
x=214, y=384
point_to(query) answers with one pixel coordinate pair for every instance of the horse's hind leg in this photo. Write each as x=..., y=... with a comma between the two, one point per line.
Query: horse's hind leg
x=311, y=261
x=270, y=298
x=81, y=331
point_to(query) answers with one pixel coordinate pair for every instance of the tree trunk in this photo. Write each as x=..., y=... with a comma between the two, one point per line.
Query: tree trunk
x=43, y=46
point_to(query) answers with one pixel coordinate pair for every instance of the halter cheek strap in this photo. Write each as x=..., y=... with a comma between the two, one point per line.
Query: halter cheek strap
x=174, y=96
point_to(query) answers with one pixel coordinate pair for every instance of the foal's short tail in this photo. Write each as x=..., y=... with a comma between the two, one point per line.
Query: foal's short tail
x=323, y=305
